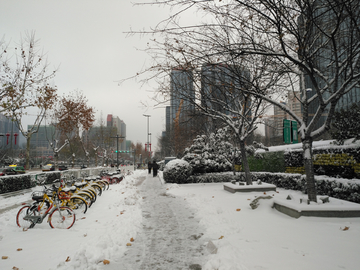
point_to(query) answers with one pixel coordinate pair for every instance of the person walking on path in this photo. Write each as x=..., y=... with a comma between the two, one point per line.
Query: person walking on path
x=155, y=168
x=149, y=167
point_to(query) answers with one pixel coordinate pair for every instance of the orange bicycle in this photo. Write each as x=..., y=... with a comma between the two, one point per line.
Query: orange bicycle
x=60, y=217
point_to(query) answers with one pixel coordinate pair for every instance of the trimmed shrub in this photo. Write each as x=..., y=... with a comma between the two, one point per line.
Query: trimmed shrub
x=177, y=171
x=269, y=162
x=343, y=189
x=15, y=182
x=213, y=177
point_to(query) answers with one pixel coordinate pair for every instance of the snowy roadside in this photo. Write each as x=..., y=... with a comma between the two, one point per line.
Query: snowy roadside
x=265, y=238
x=244, y=238
x=100, y=234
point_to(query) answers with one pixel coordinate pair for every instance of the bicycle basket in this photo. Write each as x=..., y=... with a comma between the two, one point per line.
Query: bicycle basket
x=37, y=195
x=62, y=195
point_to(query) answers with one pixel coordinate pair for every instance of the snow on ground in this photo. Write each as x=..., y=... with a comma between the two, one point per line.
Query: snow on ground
x=244, y=238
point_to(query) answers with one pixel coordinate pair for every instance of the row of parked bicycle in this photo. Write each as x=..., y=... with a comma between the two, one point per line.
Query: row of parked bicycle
x=64, y=199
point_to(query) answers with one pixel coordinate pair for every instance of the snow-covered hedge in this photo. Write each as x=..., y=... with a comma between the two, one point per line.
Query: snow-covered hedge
x=15, y=183
x=24, y=181
x=344, y=189
x=213, y=177
x=177, y=171
x=51, y=177
x=335, y=162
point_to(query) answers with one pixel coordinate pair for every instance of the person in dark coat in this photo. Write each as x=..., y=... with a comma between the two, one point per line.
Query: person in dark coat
x=149, y=166
x=155, y=168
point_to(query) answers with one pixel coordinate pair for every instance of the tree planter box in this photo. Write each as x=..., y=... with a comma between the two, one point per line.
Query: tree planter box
x=336, y=208
x=255, y=187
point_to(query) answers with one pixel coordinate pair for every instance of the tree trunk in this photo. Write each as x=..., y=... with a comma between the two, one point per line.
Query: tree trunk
x=309, y=170
x=233, y=166
x=245, y=164
x=27, y=153
x=56, y=160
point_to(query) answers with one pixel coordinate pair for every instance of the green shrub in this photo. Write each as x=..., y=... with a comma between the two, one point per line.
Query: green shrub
x=270, y=162
x=177, y=171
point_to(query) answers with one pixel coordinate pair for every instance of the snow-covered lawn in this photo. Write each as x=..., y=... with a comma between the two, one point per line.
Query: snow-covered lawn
x=262, y=238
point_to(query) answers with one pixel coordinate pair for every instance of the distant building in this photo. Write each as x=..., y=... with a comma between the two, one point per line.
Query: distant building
x=274, y=124
x=167, y=119
x=221, y=90
x=182, y=95
x=180, y=113
x=40, y=141
x=114, y=121
x=8, y=129
x=324, y=57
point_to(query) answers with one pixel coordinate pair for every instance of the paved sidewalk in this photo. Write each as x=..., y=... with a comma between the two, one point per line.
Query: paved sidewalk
x=171, y=239
x=15, y=193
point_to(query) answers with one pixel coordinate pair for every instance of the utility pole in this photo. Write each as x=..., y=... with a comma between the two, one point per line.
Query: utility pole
x=117, y=148
x=148, y=145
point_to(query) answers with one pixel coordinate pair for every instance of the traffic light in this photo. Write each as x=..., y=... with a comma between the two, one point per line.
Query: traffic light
x=116, y=151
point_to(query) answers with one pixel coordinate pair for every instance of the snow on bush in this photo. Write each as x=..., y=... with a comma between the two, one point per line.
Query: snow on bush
x=209, y=154
x=177, y=171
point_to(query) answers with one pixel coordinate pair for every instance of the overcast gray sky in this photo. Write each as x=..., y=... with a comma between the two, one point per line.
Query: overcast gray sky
x=86, y=38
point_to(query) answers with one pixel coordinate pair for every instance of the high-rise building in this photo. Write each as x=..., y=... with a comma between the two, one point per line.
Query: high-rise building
x=167, y=119
x=330, y=54
x=116, y=122
x=182, y=95
x=221, y=89
x=181, y=111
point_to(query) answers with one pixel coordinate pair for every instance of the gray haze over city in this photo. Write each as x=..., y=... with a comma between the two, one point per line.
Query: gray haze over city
x=86, y=40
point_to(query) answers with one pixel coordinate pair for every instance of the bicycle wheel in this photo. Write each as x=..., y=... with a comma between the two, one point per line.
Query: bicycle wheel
x=62, y=218
x=20, y=221
x=104, y=184
x=87, y=198
x=91, y=191
x=116, y=180
x=78, y=204
x=97, y=188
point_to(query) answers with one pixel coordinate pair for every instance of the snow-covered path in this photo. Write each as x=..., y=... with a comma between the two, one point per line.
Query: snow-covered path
x=171, y=237
x=171, y=224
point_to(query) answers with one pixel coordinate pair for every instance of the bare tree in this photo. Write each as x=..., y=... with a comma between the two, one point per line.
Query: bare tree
x=101, y=140
x=301, y=42
x=73, y=117
x=24, y=85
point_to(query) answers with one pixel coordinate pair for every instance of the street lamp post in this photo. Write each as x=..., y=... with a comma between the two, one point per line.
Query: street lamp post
x=147, y=134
